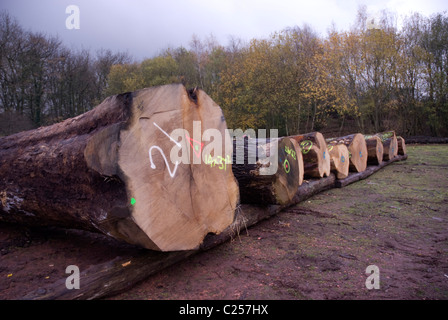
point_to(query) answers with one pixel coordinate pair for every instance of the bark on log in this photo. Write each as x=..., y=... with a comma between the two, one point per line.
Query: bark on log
x=340, y=160
x=390, y=144
x=357, y=149
x=316, y=160
x=108, y=170
x=374, y=150
x=258, y=182
x=401, y=146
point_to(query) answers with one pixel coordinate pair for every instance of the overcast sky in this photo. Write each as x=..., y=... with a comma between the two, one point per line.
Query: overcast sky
x=144, y=28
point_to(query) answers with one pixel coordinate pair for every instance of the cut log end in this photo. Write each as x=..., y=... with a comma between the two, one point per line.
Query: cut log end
x=357, y=149
x=374, y=150
x=316, y=159
x=390, y=144
x=340, y=160
x=176, y=201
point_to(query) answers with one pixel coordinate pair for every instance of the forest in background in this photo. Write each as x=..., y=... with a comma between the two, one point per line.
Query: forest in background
x=371, y=78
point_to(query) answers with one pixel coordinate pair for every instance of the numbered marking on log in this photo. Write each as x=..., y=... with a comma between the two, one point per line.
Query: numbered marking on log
x=330, y=148
x=360, y=154
x=286, y=166
x=342, y=158
x=291, y=152
x=133, y=201
x=324, y=154
x=306, y=146
x=153, y=166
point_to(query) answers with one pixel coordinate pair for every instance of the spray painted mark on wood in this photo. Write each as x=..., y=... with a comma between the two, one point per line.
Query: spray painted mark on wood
x=306, y=146
x=153, y=166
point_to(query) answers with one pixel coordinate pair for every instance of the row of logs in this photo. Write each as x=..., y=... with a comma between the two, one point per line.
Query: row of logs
x=309, y=156
x=132, y=168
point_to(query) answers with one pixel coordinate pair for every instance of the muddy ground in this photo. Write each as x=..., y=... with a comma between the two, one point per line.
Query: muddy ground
x=397, y=220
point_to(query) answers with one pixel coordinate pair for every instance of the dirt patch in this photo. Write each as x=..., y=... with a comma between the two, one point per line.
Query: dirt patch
x=396, y=219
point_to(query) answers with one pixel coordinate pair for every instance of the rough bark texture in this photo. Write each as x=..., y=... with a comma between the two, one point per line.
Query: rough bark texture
x=374, y=150
x=258, y=181
x=108, y=170
x=316, y=160
x=357, y=149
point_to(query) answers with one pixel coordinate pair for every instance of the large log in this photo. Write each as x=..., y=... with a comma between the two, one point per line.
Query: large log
x=124, y=271
x=357, y=149
x=259, y=182
x=109, y=170
x=390, y=144
x=374, y=150
x=316, y=160
x=340, y=160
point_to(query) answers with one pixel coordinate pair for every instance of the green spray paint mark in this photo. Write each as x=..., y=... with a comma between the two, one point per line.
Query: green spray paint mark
x=133, y=201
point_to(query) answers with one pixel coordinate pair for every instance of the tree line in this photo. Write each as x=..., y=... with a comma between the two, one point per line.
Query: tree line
x=43, y=82
x=373, y=77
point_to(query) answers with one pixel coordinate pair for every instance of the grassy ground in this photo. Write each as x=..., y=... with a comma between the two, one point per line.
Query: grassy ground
x=396, y=219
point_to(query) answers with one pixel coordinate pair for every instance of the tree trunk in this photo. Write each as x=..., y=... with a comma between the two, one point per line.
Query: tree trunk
x=339, y=160
x=401, y=146
x=390, y=144
x=259, y=182
x=316, y=160
x=357, y=149
x=108, y=171
x=374, y=150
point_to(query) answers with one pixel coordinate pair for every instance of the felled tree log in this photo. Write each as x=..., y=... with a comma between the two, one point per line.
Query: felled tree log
x=390, y=144
x=357, y=149
x=340, y=160
x=374, y=150
x=111, y=170
x=316, y=160
x=260, y=182
x=401, y=146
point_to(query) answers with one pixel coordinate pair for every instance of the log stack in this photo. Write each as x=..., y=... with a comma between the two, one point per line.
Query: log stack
x=108, y=171
x=357, y=149
x=157, y=168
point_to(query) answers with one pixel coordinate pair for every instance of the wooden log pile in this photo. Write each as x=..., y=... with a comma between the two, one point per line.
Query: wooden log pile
x=108, y=171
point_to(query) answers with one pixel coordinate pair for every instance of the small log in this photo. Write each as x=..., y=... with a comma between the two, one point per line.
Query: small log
x=357, y=149
x=401, y=146
x=340, y=160
x=258, y=182
x=374, y=150
x=390, y=144
x=316, y=160
x=108, y=171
